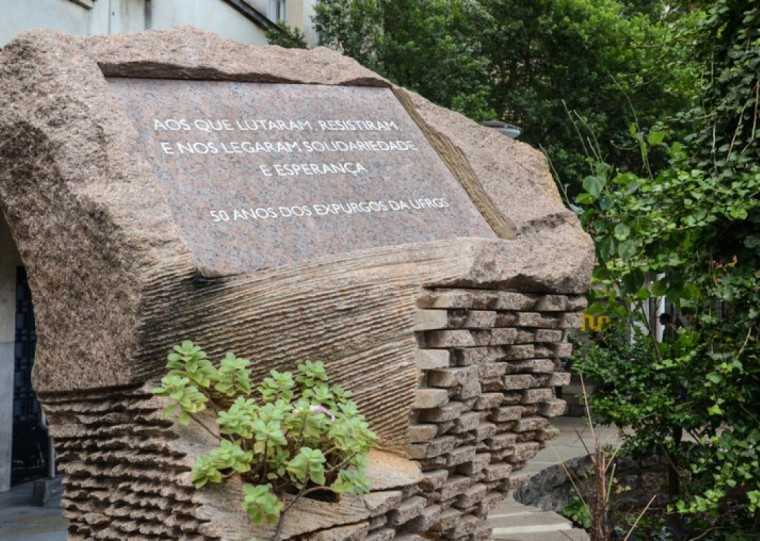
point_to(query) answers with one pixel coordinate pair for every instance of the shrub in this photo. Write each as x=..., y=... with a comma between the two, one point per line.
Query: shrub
x=296, y=435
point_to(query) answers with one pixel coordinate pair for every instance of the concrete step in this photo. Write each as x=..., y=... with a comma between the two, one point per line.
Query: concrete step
x=513, y=521
x=544, y=520
x=564, y=535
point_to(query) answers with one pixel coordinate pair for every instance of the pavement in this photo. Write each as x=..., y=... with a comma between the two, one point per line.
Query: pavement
x=21, y=520
x=513, y=521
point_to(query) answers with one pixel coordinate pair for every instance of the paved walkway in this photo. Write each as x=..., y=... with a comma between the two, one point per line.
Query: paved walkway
x=513, y=521
x=20, y=520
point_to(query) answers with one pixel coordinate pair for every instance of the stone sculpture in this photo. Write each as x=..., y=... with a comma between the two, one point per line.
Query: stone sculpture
x=449, y=327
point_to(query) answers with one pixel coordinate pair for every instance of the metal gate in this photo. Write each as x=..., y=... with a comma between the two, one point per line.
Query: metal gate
x=30, y=441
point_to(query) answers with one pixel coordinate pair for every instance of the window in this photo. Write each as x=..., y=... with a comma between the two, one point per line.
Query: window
x=277, y=10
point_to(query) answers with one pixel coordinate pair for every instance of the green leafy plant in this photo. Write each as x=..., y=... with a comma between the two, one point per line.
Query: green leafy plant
x=689, y=233
x=527, y=62
x=591, y=506
x=577, y=511
x=286, y=36
x=295, y=434
x=685, y=234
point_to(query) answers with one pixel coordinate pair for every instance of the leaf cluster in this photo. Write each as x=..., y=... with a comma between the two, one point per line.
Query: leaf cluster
x=689, y=234
x=424, y=45
x=529, y=62
x=666, y=236
x=293, y=434
x=286, y=36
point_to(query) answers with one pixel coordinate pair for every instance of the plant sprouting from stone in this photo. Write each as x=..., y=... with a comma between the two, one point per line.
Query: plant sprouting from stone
x=295, y=434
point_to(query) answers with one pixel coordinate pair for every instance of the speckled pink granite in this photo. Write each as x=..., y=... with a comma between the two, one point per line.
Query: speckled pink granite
x=255, y=172
x=123, y=262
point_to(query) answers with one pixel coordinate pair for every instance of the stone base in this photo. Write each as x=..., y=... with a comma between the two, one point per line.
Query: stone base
x=46, y=490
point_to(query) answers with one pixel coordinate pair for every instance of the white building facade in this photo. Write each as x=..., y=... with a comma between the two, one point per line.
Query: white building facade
x=240, y=20
x=23, y=442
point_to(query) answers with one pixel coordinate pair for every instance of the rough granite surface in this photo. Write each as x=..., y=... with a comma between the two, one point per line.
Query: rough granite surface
x=115, y=285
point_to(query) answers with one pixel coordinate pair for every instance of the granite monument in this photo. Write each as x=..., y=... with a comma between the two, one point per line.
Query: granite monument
x=285, y=205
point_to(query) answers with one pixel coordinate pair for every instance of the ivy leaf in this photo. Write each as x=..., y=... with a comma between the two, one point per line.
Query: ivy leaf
x=622, y=231
x=715, y=409
x=690, y=292
x=633, y=281
x=655, y=138
x=594, y=184
x=585, y=199
x=606, y=247
x=605, y=202
x=754, y=500
x=627, y=249
x=659, y=288
x=643, y=294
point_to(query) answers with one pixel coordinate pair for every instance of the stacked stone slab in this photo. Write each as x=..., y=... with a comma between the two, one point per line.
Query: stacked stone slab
x=122, y=474
x=127, y=477
x=451, y=346
x=488, y=363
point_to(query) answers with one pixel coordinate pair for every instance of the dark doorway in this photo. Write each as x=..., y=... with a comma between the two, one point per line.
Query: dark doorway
x=30, y=440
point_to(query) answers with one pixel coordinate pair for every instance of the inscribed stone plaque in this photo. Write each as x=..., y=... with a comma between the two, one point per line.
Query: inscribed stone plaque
x=264, y=175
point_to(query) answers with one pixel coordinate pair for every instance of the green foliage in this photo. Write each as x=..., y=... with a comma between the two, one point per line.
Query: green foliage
x=308, y=465
x=233, y=376
x=577, y=511
x=726, y=141
x=189, y=399
x=601, y=60
x=703, y=378
x=528, y=62
x=690, y=232
x=423, y=45
x=299, y=435
x=188, y=360
x=286, y=36
x=261, y=504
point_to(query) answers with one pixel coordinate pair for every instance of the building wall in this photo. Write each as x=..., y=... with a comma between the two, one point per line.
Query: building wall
x=300, y=13
x=87, y=17
x=263, y=6
x=80, y=17
x=212, y=15
x=9, y=260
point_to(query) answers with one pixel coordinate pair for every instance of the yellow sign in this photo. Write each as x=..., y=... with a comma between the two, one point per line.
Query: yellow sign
x=593, y=323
